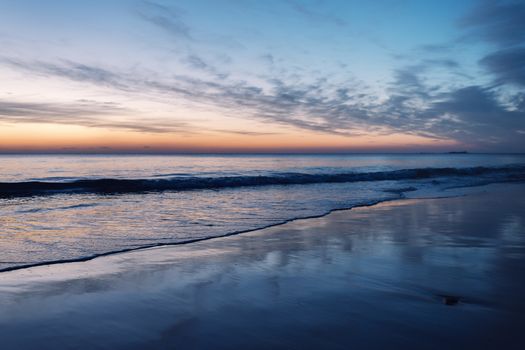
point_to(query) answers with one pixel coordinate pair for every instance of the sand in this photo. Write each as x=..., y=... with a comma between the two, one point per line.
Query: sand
x=411, y=274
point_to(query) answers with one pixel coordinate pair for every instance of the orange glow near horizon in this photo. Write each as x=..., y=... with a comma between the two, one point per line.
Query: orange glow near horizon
x=69, y=138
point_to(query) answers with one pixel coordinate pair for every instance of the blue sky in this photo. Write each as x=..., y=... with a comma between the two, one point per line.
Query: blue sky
x=356, y=75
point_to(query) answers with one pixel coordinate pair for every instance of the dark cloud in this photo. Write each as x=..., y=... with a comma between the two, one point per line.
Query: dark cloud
x=408, y=80
x=476, y=115
x=476, y=106
x=486, y=117
x=498, y=22
x=472, y=115
x=508, y=66
x=410, y=76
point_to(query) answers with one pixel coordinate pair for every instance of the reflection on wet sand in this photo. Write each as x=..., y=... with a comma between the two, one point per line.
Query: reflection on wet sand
x=437, y=273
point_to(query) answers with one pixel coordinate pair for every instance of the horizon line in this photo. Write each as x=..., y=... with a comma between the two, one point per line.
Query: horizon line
x=3, y=153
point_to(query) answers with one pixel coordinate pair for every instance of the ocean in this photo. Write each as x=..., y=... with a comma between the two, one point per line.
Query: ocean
x=56, y=208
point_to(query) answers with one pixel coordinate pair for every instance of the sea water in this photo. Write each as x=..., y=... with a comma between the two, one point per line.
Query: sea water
x=57, y=208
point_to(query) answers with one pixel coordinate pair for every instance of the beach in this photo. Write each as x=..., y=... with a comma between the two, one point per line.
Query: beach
x=411, y=274
x=291, y=174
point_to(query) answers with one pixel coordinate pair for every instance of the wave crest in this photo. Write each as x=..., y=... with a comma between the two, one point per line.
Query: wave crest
x=32, y=188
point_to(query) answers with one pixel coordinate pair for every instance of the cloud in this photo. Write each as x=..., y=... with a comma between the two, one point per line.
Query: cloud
x=68, y=69
x=475, y=115
x=497, y=22
x=196, y=62
x=305, y=106
x=313, y=15
x=508, y=65
x=60, y=112
x=268, y=58
x=436, y=48
x=501, y=24
x=471, y=115
x=166, y=18
x=444, y=62
x=408, y=79
x=244, y=132
x=83, y=113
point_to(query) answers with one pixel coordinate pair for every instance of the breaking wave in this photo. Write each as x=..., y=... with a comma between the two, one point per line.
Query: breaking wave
x=178, y=183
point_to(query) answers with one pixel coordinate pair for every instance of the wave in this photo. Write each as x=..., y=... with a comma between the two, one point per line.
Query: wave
x=67, y=207
x=111, y=186
x=21, y=265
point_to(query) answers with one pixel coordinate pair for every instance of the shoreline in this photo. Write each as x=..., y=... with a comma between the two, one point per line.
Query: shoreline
x=197, y=240
x=411, y=273
x=235, y=233
x=401, y=197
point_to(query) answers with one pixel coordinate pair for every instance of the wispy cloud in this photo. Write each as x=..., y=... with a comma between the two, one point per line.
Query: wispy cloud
x=57, y=112
x=67, y=69
x=83, y=113
x=471, y=114
x=166, y=18
x=314, y=14
x=418, y=98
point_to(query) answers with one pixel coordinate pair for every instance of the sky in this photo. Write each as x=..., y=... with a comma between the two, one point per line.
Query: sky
x=107, y=76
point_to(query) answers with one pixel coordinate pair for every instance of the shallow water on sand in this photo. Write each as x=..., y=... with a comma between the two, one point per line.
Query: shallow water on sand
x=150, y=200
x=371, y=278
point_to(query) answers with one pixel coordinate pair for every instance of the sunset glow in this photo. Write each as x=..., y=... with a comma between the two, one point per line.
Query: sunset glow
x=143, y=76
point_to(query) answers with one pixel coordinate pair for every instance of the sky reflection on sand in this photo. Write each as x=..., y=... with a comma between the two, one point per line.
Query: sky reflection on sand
x=74, y=226
x=370, y=277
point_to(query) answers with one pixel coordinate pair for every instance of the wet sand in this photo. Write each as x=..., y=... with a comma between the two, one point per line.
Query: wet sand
x=412, y=274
